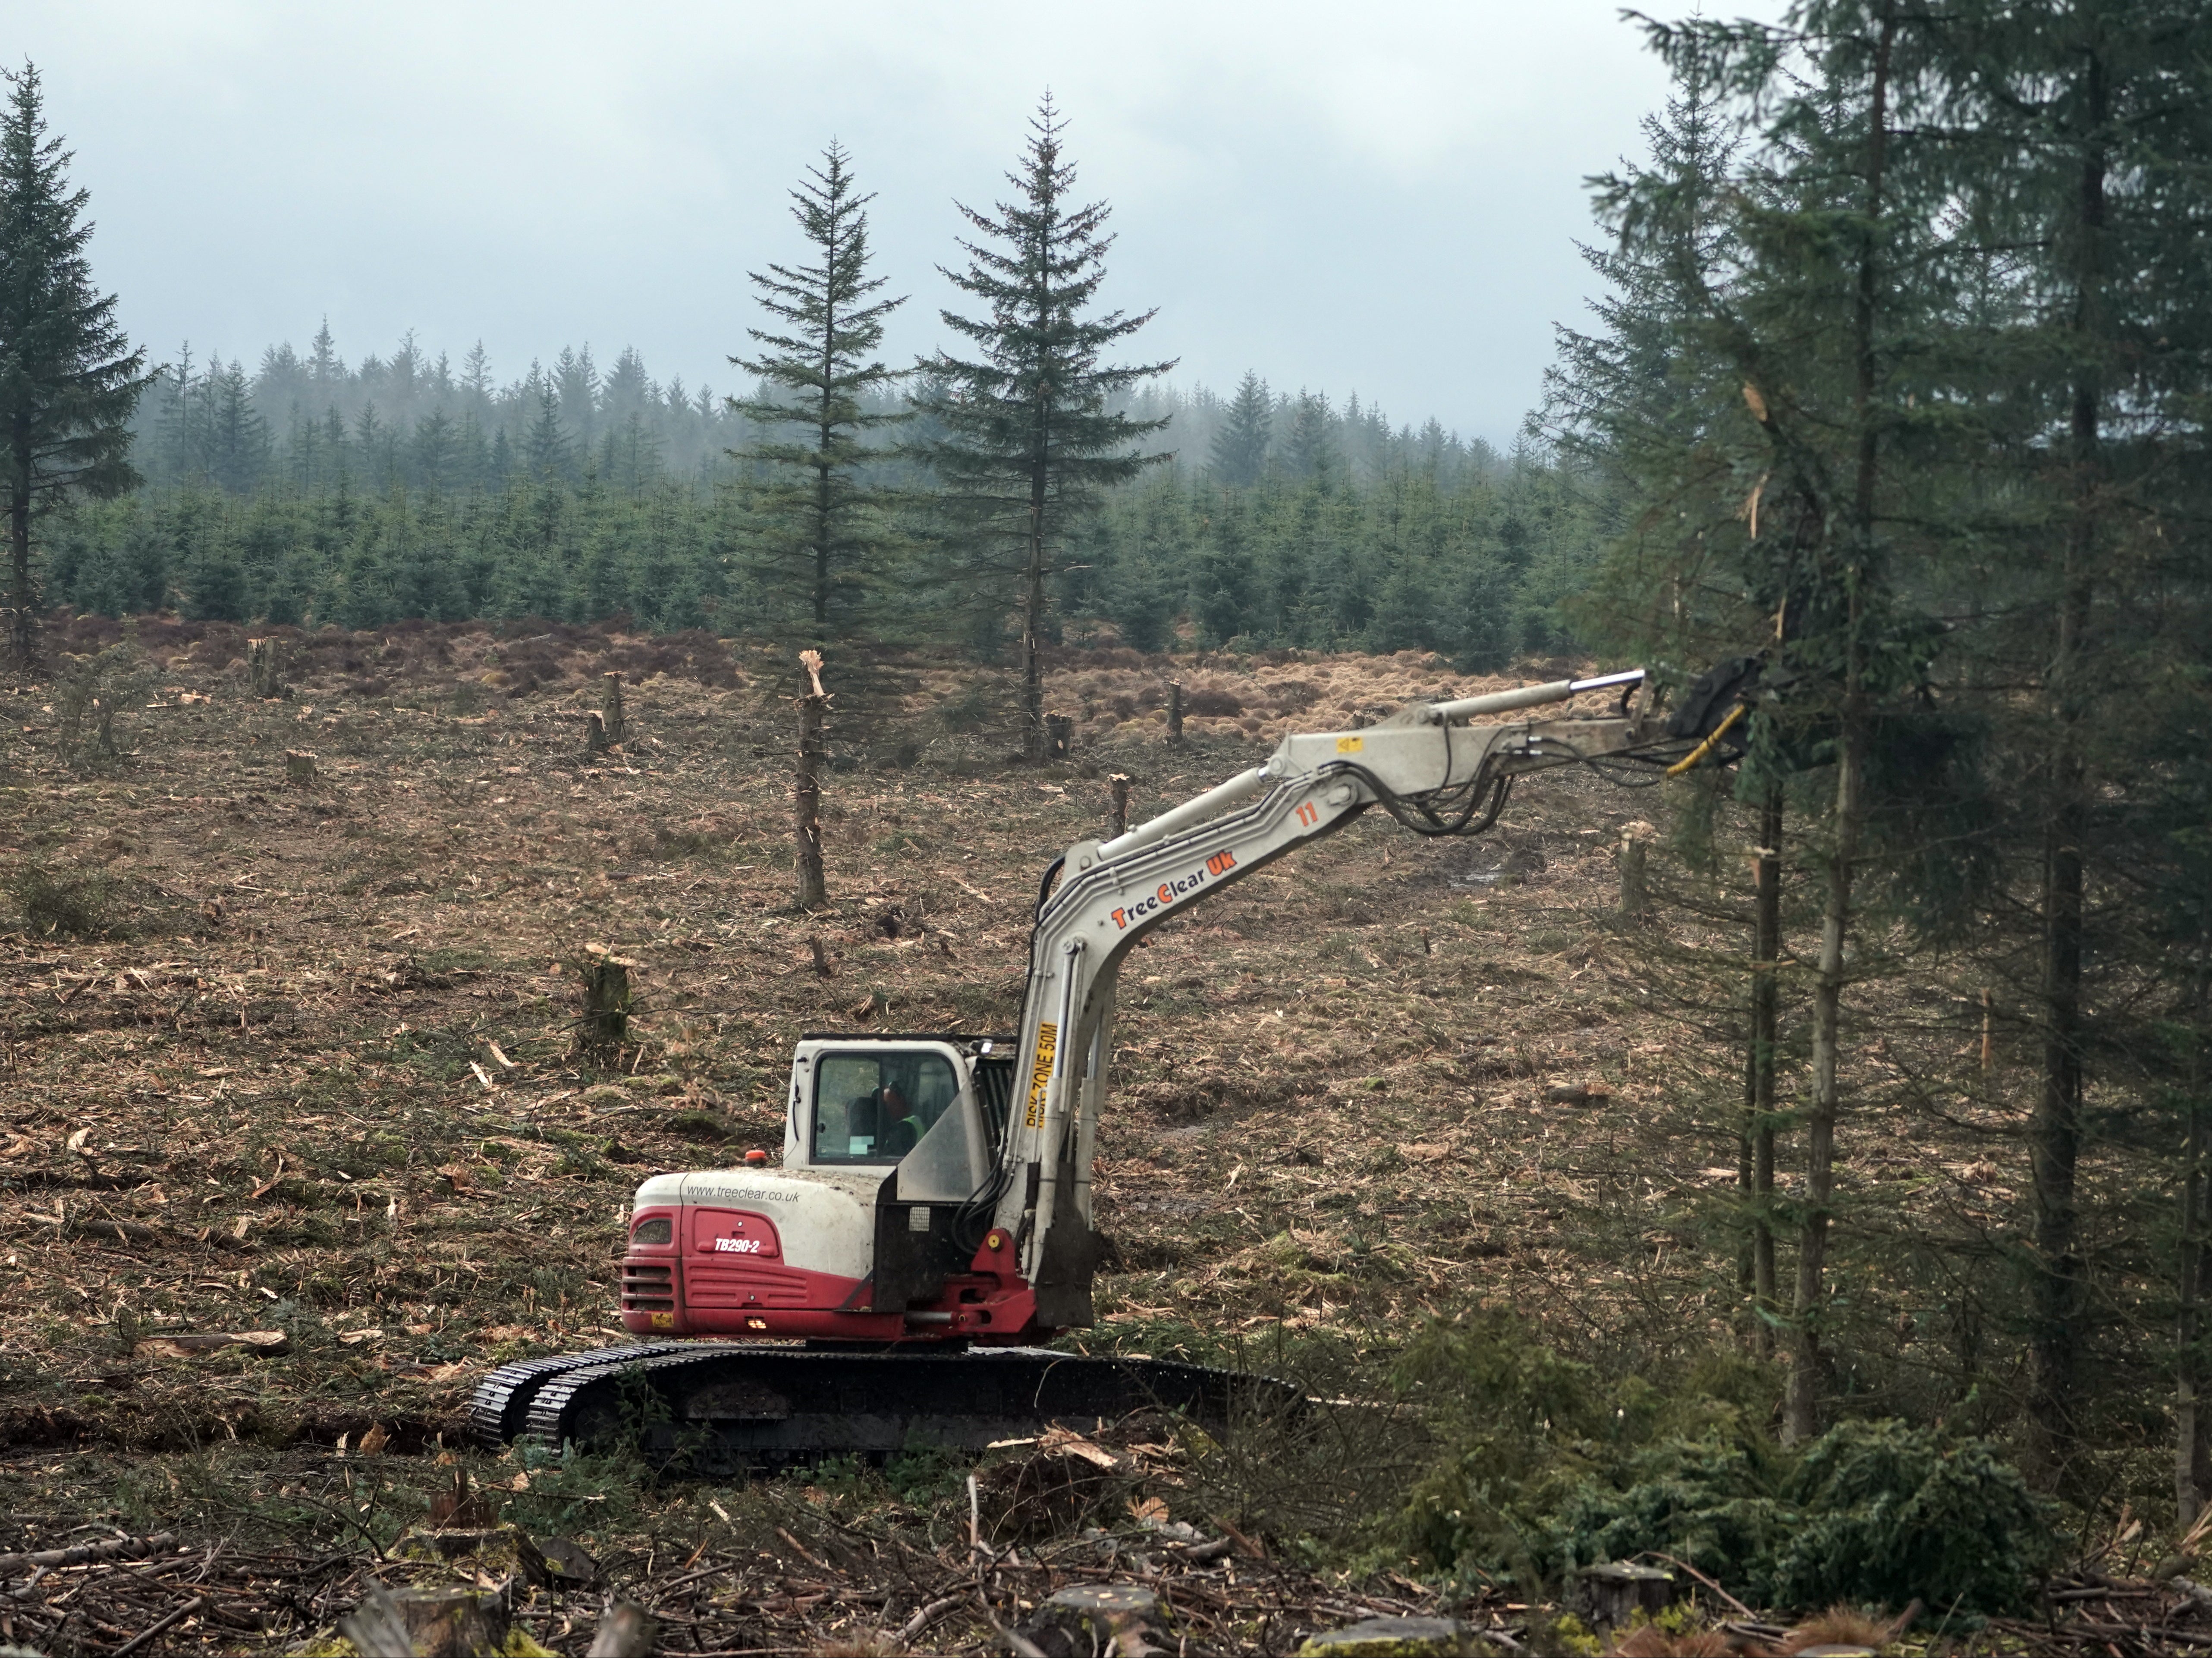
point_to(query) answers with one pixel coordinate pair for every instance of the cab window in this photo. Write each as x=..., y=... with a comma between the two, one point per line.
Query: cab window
x=873, y=1107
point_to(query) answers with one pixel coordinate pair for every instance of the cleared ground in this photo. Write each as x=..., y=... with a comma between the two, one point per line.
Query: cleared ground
x=298, y=1057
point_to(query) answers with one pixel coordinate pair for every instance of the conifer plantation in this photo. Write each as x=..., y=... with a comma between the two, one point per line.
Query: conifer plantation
x=1774, y=1192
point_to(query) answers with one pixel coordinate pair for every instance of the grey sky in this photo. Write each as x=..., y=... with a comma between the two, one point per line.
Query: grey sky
x=1381, y=199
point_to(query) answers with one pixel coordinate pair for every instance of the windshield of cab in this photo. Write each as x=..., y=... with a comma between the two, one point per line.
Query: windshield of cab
x=875, y=1107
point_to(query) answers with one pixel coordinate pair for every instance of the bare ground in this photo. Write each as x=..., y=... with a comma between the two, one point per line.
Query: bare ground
x=303, y=1062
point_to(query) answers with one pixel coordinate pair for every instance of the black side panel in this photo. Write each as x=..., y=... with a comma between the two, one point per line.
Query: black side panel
x=994, y=1092
x=914, y=1250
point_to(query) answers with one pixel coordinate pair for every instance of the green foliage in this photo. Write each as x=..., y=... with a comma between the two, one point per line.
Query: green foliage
x=69, y=379
x=1545, y=1464
x=68, y=907
x=1021, y=436
x=822, y=532
x=90, y=695
x=1886, y=1511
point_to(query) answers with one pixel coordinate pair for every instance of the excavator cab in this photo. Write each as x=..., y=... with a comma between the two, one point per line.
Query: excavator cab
x=876, y=1104
x=903, y=1104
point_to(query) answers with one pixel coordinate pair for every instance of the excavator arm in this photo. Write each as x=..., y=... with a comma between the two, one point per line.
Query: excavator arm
x=1438, y=768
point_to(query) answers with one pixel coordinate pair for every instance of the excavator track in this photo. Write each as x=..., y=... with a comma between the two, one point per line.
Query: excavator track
x=723, y=1407
x=500, y=1408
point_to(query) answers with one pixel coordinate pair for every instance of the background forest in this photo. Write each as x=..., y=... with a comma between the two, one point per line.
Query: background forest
x=311, y=491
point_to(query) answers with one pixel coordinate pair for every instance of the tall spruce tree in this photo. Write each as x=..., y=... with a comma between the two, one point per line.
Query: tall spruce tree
x=1239, y=451
x=69, y=379
x=2090, y=122
x=824, y=533
x=1754, y=389
x=1028, y=443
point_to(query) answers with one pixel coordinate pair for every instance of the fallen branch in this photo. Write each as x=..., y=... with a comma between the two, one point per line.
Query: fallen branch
x=155, y=1628
x=119, y=1548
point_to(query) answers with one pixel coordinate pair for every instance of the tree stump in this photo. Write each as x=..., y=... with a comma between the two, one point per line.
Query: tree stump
x=806, y=787
x=1077, y=1623
x=299, y=767
x=263, y=670
x=1608, y=1595
x=603, y=1025
x=610, y=706
x=596, y=740
x=1393, y=1638
x=1117, y=817
x=1174, y=712
x=1058, y=736
x=452, y=1622
x=624, y=1632
x=1635, y=895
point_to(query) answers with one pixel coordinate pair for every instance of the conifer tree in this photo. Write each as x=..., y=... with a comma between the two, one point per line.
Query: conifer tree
x=1311, y=449
x=825, y=534
x=2088, y=124
x=545, y=448
x=1239, y=450
x=69, y=379
x=1028, y=442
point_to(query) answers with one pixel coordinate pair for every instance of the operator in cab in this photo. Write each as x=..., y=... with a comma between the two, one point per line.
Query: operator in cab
x=889, y=1121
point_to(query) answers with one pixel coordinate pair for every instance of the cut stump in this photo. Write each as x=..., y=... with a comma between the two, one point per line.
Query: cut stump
x=1077, y=1623
x=1611, y=1593
x=1393, y=1638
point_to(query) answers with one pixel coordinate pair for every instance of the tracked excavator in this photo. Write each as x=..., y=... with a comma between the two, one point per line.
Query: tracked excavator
x=930, y=1227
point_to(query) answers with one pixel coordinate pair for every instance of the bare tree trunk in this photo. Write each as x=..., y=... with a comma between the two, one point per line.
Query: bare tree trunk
x=1117, y=821
x=2192, y=1455
x=21, y=600
x=1800, y=1409
x=265, y=669
x=603, y=1025
x=1175, y=712
x=1634, y=894
x=1765, y=1036
x=807, y=791
x=610, y=706
x=2055, y=1129
x=1800, y=1413
x=1033, y=738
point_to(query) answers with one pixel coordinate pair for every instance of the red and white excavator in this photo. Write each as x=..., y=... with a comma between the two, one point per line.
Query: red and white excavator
x=931, y=1222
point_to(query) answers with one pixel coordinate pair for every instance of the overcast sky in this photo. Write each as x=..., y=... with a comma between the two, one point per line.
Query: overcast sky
x=1381, y=199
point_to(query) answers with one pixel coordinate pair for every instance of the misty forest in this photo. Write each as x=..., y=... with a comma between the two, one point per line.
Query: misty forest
x=1768, y=1209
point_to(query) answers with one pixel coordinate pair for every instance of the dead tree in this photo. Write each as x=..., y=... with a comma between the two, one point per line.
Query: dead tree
x=1634, y=893
x=264, y=669
x=610, y=706
x=603, y=1026
x=806, y=792
x=1117, y=819
x=596, y=740
x=1174, y=712
x=1058, y=736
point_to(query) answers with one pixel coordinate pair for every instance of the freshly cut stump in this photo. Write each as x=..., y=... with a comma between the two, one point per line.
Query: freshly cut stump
x=1394, y=1638
x=1108, y=1618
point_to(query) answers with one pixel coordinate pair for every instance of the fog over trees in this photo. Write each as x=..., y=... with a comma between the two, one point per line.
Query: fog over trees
x=316, y=486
